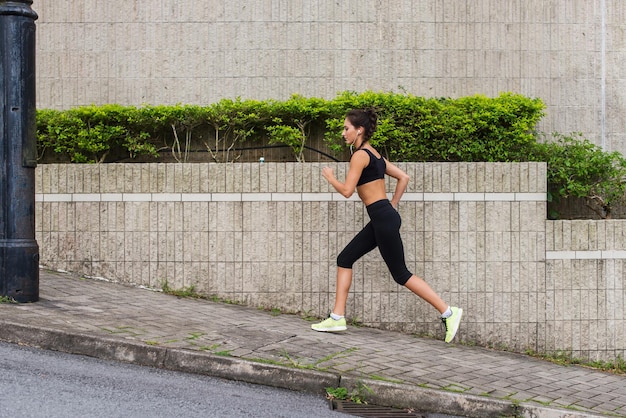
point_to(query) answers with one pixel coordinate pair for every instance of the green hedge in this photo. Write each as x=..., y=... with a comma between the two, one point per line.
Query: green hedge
x=411, y=128
x=577, y=168
x=473, y=128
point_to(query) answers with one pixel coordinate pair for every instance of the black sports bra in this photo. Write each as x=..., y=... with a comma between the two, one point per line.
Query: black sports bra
x=375, y=170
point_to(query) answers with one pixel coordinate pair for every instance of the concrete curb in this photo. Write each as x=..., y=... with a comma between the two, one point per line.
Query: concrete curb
x=176, y=359
x=189, y=361
x=312, y=381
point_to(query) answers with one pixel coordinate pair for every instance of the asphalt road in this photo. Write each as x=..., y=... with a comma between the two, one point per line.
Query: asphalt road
x=39, y=383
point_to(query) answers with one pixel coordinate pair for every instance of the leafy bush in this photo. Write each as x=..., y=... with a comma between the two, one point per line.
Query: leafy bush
x=88, y=134
x=233, y=122
x=578, y=168
x=473, y=128
x=292, y=122
x=169, y=126
x=410, y=128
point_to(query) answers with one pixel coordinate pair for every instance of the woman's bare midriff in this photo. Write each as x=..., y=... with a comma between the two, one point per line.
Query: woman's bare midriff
x=372, y=192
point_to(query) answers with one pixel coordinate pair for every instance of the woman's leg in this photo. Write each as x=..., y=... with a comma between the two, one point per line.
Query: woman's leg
x=344, y=280
x=337, y=320
x=450, y=315
x=424, y=291
x=387, y=232
x=360, y=245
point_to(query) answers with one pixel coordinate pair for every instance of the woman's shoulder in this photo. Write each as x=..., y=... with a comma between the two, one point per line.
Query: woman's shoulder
x=371, y=151
x=360, y=156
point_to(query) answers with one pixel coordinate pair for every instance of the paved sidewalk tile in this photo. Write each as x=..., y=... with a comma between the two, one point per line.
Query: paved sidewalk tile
x=109, y=310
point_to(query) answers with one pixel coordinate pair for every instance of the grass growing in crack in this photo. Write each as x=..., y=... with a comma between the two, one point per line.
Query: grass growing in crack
x=267, y=361
x=208, y=347
x=275, y=312
x=618, y=366
x=186, y=292
x=7, y=299
x=332, y=356
x=337, y=393
x=272, y=311
x=564, y=358
x=356, y=322
x=455, y=388
x=192, y=293
x=542, y=403
x=295, y=363
x=217, y=299
x=358, y=394
x=212, y=348
x=510, y=397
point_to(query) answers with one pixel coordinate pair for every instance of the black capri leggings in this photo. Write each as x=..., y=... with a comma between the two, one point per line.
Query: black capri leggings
x=382, y=231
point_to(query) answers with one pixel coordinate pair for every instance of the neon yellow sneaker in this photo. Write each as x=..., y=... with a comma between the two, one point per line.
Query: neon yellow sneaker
x=330, y=325
x=452, y=323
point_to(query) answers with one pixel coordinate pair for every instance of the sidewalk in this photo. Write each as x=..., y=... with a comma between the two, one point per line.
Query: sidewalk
x=113, y=321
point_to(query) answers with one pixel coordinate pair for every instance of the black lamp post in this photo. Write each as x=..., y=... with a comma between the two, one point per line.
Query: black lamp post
x=19, y=252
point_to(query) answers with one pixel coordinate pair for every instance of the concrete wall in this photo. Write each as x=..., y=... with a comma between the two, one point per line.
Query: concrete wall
x=586, y=287
x=569, y=53
x=268, y=235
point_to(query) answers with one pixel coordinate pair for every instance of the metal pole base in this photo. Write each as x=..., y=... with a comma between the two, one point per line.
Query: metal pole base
x=19, y=270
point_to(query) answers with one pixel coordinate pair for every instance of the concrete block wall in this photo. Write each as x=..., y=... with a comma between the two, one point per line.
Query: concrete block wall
x=568, y=53
x=268, y=235
x=586, y=288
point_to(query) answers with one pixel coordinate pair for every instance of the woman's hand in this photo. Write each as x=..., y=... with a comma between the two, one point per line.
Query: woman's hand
x=328, y=173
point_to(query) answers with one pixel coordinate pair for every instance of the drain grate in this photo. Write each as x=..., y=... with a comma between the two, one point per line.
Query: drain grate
x=372, y=411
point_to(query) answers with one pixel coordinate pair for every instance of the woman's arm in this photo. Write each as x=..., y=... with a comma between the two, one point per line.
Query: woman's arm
x=358, y=162
x=401, y=185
